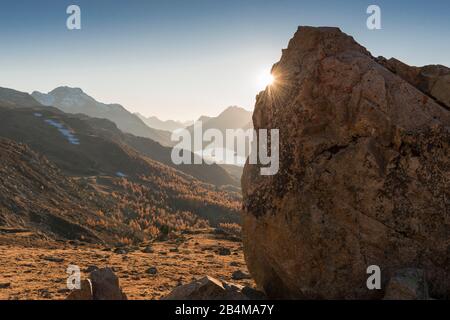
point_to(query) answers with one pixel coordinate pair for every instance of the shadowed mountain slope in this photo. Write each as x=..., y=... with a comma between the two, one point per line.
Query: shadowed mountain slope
x=13, y=98
x=119, y=194
x=74, y=100
x=37, y=127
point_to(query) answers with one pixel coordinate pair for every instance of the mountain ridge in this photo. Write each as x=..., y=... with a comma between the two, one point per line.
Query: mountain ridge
x=167, y=125
x=11, y=98
x=75, y=100
x=22, y=123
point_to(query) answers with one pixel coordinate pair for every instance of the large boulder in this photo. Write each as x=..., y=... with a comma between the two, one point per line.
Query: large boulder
x=364, y=176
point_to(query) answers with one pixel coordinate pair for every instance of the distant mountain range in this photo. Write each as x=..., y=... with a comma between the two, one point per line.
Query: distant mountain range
x=78, y=177
x=75, y=101
x=13, y=98
x=168, y=125
x=231, y=118
x=21, y=125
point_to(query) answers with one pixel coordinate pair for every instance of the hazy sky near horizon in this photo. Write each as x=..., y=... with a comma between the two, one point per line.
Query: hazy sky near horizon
x=185, y=58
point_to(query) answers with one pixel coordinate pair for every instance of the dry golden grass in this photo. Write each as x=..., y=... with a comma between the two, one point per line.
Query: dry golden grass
x=178, y=261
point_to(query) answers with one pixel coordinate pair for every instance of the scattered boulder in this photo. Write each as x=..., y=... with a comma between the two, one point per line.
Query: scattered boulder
x=152, y=270
x=132, y=249
x=53, y=259
x=207, y=288
x=239, y=275
x=90, y=269
x=407, y=284
x=105, y=285
x=363, y=175
x=84, y=293
x=148, y=249
x=224, y=251
x=5, y=285
x=120, y=251
x=44, y=293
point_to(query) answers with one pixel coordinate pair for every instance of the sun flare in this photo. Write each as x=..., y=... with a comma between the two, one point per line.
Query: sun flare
x=265, y=79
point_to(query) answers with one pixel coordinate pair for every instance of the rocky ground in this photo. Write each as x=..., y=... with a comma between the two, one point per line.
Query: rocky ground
x=148, y=271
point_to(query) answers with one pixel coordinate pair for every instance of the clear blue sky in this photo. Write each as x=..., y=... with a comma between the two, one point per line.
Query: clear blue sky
x=180, y=59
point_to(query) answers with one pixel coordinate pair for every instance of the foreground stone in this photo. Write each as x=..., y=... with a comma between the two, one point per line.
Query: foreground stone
x=5, y=285
x=148, y=249
x=363, y=179
x=209, y=288
x=84, y=293
x=224, y=251
x=407, y=284
x=53, y=259
x=240, y=275
x=102, y=284
x=105, y=285
x=152, y=270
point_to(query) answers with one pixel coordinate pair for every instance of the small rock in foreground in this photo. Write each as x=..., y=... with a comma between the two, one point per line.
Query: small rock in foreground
x=5, y=285
x=84, y=293
x=224, y=251
x=152, y=270
x=105, y=285
x=53, y=259
x=209, y=288
x=239, y=275
x=102, y=284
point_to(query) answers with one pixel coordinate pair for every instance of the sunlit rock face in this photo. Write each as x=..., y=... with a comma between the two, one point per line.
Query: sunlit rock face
x=364, y=176
x=433, y=80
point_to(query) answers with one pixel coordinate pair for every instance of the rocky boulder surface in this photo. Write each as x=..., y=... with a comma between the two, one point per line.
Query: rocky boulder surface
x=433, y=80
x=364, y=175
x=84, y=293
x=209, y=288
x=102, y=284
